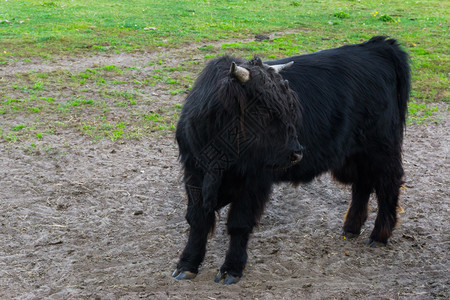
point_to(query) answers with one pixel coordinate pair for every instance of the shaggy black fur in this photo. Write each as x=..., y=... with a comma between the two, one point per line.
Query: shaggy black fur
x=343, y=110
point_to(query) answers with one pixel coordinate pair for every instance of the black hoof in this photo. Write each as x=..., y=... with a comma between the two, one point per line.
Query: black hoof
x=184, y=275
x=227, y=279
x=375, y=244
x=350, y=235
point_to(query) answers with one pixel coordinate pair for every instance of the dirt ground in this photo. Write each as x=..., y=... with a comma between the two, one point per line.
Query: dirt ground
x=105, y=220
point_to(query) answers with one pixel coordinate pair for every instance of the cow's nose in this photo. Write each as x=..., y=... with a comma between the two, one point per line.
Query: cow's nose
x=296, y=157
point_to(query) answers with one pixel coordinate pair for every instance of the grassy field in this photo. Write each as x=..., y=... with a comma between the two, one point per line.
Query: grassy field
x=111, y=101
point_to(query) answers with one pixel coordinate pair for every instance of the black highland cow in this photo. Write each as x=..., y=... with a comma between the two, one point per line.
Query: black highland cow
x=247, y=125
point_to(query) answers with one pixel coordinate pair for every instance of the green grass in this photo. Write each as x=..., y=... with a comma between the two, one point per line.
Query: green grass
x=119, y=102
x=420, y=113
x=37, y=27
x=18, y=127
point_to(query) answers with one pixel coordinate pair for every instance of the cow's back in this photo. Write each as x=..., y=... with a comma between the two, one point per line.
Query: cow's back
x=349, y=103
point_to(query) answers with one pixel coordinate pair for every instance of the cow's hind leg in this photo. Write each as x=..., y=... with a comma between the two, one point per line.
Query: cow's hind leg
x=243, y=216
x=387, y=190
x=356, y=172
x=201, y=223
x=357, y=213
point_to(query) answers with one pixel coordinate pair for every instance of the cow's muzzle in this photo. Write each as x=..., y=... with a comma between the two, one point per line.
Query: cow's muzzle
x=296, y=157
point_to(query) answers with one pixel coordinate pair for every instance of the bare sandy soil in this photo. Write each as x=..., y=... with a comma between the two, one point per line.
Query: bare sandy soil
x=105, y=220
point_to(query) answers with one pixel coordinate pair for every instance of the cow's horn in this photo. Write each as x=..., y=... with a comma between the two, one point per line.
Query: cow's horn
x=239, y=72
x=278, y=68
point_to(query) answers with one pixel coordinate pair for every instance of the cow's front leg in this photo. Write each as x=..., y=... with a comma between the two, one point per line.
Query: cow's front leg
x=243, y=216
x=201, y=223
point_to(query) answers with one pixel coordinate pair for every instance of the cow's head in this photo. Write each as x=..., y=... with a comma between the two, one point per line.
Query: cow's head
x=269, y=112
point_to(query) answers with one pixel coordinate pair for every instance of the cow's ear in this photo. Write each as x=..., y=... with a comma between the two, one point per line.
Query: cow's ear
x=242, y=74
x=278, y=68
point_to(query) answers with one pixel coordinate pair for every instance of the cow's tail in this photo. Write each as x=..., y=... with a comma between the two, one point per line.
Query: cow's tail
x=402, y=68
x=392, y=50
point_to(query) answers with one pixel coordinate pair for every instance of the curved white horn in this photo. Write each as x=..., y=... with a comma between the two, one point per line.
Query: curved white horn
x=278, y=68
x=239, y=72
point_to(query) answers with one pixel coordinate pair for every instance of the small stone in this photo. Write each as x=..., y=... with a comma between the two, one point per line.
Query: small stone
x=261, y=37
